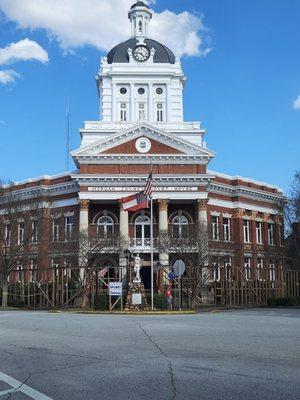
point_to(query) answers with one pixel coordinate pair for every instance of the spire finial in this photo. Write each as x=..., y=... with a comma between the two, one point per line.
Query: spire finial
x=140, y=16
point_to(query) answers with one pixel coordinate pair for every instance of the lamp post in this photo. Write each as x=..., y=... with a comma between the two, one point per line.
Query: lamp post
x=127, y=255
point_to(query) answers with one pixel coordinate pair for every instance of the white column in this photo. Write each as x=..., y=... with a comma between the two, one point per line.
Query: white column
x=150, y=116
x=114, y=103
x=163, y=227
x=124, y=234
x=132, y=110
x=84, y=216
x=83, y=230
x=202, y=211
x=169, y=111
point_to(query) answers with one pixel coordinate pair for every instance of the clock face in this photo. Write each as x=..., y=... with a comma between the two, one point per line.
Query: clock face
x=141, y=53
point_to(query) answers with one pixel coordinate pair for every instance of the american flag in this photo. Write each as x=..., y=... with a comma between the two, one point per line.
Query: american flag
x=103, y=272
x=149, y=186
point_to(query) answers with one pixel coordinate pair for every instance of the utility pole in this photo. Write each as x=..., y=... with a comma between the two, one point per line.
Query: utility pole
x=67, y=165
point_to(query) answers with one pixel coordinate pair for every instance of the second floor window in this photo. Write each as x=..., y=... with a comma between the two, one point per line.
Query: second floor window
x=271, y=234
x=226, y=229
x=215, y=228
x=34, y=231
x=246, y=229
x=55, y=230
x=69, y=224
x=21, y=229
x=7, y=234
x=180, y=226
x=105, y=227
x=258, y=232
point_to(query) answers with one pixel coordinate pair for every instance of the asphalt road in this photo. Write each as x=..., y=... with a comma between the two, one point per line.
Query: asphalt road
x=246, y=354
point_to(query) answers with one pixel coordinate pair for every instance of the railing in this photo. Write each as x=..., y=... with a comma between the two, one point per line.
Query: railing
x=142, y=244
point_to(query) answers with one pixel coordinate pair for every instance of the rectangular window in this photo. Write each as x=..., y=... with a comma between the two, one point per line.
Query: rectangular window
x=34, y=232
x=21, y=227
x=55, y=230
x=272, y=270
x=260, y=269
x=226, y=229
x=228, y=267
x=215, y=228
x=55, y=266
x=280, y=235
x=69, y=224
x=217, y=272
x=7, y=234
x=159, y=112
x=33, y=268
x=271, y=234
x=247, y=268
x=246, y=228
x=259, y=232
x=20, y=272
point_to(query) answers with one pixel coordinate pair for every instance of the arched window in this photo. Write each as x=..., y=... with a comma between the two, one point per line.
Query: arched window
x=105, y=227
x=142, y=230
x=180, y=226
x=140, y=26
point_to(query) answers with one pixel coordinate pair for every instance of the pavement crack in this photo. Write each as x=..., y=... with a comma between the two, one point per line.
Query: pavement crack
x=19, y=387
x=165, y=355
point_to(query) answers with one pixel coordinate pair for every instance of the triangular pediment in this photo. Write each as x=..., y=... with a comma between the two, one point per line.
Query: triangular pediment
x=128, y=142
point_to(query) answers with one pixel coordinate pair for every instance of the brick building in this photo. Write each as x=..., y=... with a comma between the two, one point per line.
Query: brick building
x=141, y=126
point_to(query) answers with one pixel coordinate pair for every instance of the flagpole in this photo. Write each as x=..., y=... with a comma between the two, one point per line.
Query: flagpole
x=151, y=234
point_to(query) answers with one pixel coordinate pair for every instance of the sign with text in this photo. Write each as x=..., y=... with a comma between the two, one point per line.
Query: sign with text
x=115, y=288
x=136, y=299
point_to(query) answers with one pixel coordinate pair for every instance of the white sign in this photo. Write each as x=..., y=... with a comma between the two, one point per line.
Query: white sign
x=115, y=288
x=140, y=188
x=136, y=299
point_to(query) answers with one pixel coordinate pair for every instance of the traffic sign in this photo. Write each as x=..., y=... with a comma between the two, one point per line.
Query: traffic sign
x=179, y=267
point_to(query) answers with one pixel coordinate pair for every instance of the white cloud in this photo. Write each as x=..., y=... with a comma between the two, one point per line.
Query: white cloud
x=8, y=76
x=103, y=23
x=296, y=103
x=23, y=50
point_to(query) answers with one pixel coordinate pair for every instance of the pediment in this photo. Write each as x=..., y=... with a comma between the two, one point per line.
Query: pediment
x=125, y=143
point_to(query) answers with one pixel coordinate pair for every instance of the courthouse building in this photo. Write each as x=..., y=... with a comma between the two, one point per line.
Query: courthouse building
x=142, y=128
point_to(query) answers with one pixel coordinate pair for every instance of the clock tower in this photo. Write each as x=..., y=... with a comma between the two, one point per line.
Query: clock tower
x=140, y=80
x=140, y=16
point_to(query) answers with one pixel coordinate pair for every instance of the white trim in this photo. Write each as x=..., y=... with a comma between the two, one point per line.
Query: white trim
x=69, y=214
x=215, y=213
x=235, y=177
x=64, y=203
x=140, y=130
x=239, y=204
x=117, y=195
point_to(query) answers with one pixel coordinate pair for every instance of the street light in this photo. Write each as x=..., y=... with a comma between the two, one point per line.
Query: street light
x=127, y=255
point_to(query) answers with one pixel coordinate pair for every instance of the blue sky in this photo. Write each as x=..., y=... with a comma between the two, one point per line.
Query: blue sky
x=244, y=90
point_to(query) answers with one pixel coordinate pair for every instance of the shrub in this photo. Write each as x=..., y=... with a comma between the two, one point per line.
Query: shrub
x=284, y=302
x=16, y=303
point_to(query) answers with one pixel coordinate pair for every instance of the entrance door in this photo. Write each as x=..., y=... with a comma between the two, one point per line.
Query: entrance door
x=142, y=230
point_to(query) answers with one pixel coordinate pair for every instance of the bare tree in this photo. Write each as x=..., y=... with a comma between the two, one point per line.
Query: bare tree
x=89, y=256
x=292, y=219
x=15, y=236
x=200, y=254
